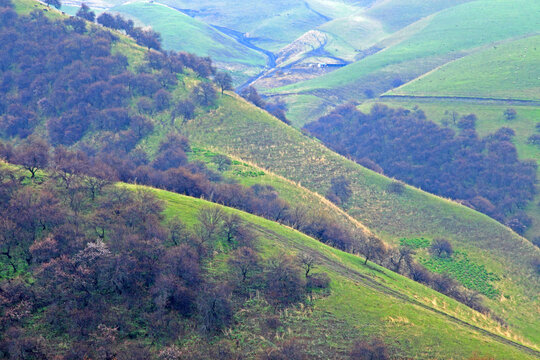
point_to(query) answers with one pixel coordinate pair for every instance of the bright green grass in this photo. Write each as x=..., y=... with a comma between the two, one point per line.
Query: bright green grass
x=490, y=118
x=181, y=32
x=506, y=71
x=396, y=14
x=281, y=149
x=415, y=243
x=25, y=7
x=362, y=298
x=468, y=273
x=416, y=50
x=456, y=29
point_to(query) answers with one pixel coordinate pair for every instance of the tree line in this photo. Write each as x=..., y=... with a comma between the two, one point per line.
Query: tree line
x=171, y=170
x=482, y=173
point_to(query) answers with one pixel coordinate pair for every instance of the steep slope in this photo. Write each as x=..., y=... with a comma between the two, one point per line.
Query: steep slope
x=274, y=146
x=361, y=302
x=490, y=118
x=183, y=33
x=391, y=304
x=485, y=83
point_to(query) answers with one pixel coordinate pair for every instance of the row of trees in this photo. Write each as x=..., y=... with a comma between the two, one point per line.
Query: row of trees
x=171, y=170
x=483, y=173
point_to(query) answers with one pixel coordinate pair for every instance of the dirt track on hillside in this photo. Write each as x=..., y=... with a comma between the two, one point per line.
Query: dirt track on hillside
x=373, y=284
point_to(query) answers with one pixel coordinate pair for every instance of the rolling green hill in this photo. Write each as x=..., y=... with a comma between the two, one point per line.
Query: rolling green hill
x=397, y=14
x=415, y=321
x=237, y=128
x=183, y=33
x=281, y=149
x=270, y=24
x=490, y=118
x=362, y=302
x=506, y=71
x=418, y=49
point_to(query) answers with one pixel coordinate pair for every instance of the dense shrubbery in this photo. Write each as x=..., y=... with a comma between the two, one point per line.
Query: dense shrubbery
x=484, y=173
x=68, y=76
x=107, y=272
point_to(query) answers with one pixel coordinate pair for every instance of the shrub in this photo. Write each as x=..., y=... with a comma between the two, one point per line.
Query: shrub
x=510, y=114
x=396, y=187
x=318, y=281
x=441, y=248
x=284, y=284
x=374, y=349
x=289, y=350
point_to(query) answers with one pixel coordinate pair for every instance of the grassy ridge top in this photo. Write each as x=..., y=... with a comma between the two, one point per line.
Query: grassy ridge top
x=505, y=71
x=249, y=133
x=415, y=320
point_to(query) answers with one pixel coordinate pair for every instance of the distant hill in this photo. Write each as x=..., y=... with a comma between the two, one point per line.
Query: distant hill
x=411, y=52
x=181, y=32
x=506, y=71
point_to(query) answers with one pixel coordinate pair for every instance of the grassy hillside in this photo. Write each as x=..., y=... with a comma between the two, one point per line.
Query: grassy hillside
x=490, y=118
x=270, y=24
x=237, y=128
x=415, y=321
x=396, y=14
x=272, y=145
x=183, y=33
x=418, y=48
x=505, y=71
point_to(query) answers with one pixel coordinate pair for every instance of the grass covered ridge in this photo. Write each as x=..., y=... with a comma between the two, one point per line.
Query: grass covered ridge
x=272, y=145
x=392, y=305
x=506, y=71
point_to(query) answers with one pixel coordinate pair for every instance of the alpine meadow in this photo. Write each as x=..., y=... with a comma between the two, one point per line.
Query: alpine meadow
x=271, y=180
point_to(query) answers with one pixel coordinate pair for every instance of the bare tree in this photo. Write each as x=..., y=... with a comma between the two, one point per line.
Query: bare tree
x=245, y=261
x=232, y=226
x=373, y=249
x=224, y=81
x=210, y=223
x=308, y=263
x=33, y=155
x=404, y=253
x=441, y=248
